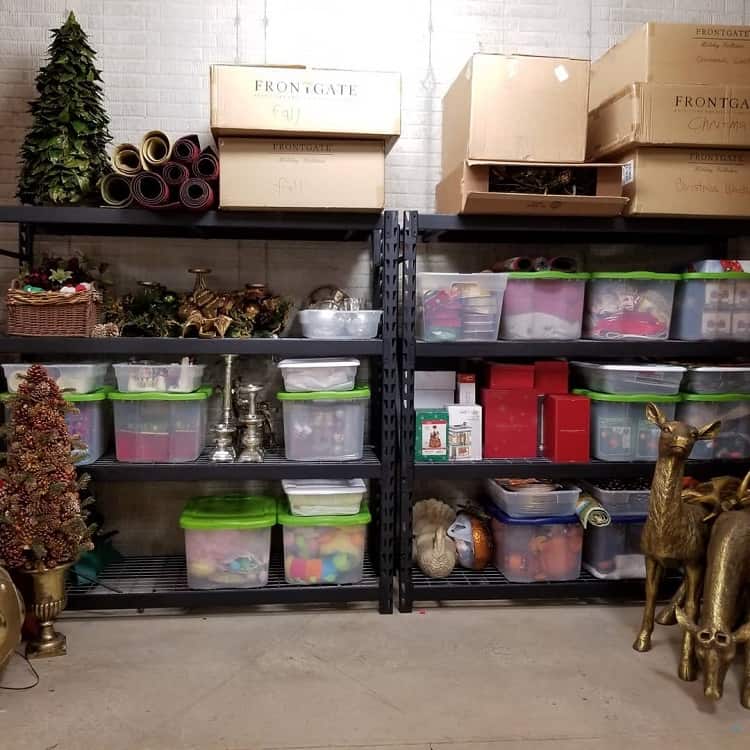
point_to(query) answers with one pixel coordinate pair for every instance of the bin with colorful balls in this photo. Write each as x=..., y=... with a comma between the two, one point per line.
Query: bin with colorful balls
x=228, y=541
x=324, y=549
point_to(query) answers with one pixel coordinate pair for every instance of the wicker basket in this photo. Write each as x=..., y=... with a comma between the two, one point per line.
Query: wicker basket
x=52, y=313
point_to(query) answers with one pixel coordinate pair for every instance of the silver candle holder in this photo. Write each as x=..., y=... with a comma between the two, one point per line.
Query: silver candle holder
x=225, y=431
x=251, y=423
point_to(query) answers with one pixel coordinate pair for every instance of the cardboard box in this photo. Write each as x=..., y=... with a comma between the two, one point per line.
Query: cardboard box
x=431, y=435
x=687, y=182
x=511, y=420
x=466, y=191
x=267, y=100
x=299, y=174
x=433, y=398
x=503, y=377
x=665, y=114
x=444, y=380
x=464, y=433
x=466, y=388
x=673, y=53
x=516, y=108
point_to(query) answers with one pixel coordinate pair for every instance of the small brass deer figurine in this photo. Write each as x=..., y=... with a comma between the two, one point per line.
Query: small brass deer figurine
x=727, y=589
x=675, y=533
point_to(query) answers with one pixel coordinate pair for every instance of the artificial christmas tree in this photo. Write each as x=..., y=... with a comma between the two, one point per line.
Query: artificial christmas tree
x=63, y=155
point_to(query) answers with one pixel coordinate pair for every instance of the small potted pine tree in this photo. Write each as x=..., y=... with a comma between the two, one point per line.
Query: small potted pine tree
x=43, y=526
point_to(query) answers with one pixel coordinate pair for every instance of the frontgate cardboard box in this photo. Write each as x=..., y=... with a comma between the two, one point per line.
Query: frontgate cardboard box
x=516, y=108
x=266, y=100
x=687, y=182
x=665, y=114
x=467, y=191
x=673, y=53
x=298, y=174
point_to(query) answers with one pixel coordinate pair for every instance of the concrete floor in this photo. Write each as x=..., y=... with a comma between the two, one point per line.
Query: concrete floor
x=460, y=678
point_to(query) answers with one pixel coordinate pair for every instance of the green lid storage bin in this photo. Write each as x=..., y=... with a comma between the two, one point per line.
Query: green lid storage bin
x=228, y=541
x=733, y=409
x=324, y=549
x=619, y=428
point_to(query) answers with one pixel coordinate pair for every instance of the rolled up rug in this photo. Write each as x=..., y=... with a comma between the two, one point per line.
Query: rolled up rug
x=206, y=166
x=116, y=190
x=175, y=174
x=186, y=149
x=150, y=190
x=126, y=159
x=155, y=149
x=591, y=512
x=196, y=194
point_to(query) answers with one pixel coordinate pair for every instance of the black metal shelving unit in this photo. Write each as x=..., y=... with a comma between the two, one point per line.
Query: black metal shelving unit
x=160, y=581
x=417, y=228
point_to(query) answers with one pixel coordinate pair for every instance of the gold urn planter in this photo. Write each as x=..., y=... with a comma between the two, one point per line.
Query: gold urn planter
x=48, y=601
x=11, y=617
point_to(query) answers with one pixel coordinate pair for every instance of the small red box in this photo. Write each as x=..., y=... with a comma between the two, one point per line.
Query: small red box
x=567, y=428
x=507, y=377
x=550, y=376
x=510, y=423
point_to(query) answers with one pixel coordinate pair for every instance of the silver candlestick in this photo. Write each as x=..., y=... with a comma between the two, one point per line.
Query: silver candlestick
x=224, y=432
x=252, y=424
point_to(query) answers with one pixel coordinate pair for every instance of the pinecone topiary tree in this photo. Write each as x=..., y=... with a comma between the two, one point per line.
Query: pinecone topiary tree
x=41, y=518
x=63, y=156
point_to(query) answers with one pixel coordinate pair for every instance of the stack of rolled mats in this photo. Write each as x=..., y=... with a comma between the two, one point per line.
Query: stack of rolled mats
x=162, y=175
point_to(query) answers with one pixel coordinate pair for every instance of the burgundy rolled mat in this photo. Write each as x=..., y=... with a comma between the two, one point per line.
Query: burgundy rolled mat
x=206, y=166
x=186, y=149
x=196, y=194
x=175, y=174
x=150, y=190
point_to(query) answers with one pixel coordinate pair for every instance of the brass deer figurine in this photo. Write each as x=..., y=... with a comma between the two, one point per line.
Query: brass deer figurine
x=675, y=532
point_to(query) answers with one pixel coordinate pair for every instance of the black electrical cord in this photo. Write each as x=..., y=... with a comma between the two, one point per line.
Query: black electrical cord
x=31, y=669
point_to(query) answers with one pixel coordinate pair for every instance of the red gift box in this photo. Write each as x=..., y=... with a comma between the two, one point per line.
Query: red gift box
x=507, y=377
x=550, y=376
x=510, y=423
x=567, y=428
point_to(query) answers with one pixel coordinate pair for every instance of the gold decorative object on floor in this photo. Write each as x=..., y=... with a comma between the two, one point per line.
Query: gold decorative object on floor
x=11, y=617
x=675, y=532
x=48, y=602
x=433, y=551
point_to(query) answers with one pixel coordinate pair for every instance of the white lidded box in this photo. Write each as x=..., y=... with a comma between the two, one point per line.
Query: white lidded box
x=712, y=307
x=627, y=378
x=613, y=552
x=324, y=425
x=534, y=500
x=733, y=409
x=340, y=324
x=718, y=379
x=324, y=497
x=141, y=377
x=324, y=374
x=78, y=378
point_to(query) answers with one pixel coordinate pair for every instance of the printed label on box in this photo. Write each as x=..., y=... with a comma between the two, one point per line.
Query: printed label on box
x=434, y=438
x=628, y=170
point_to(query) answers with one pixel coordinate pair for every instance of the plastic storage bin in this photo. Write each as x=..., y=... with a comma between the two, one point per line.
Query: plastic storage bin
x=459, y=306
x=733, y=409
x=619, y=428
x=159, y=427
x=326, y=374
x=633, y=305
x=140, y=377
x=712, y=306
x=660, y=379
x=324, y=497
x=324, y=549
x=228, y=541
x=340, y=324
x=537, y=549
x=717, y=379
x=532, y=501
x=543, y=305
x=324, y=425
x=614, y=552
x=624, y=496
x=76, y=378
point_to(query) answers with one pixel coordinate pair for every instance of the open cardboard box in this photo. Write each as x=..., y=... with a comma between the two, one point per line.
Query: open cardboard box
x=466, y=191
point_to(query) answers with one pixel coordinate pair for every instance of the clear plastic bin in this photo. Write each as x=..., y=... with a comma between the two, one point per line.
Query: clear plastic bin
x=324, y=549
x=140, y=377
x=733, y=409
x=614, y=552
x=537, y=549
x=543, y=305
x=459, y=306
x=660, y=379
x=712, y=306
x=324, y=425
x=325, y=374
x=619, y=428
x=159, y=427
x=632, y=305
x=718, y=379
x=228, y=541
x=76, y=378
x=624, y=496
x=531, y=501
x=340, y=324
x=324, y=497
